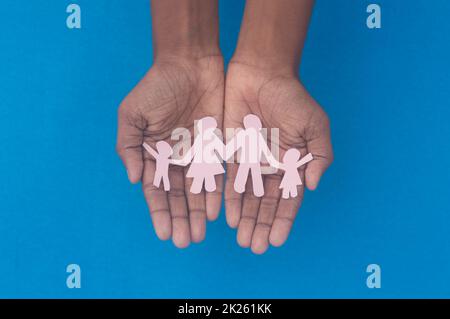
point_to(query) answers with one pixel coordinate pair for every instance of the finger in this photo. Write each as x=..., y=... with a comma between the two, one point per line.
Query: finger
x=157, y=202
x=181, y=236
x=250, y=206
x=233, y=200
x=285, y=216
x=197, y=211
x=129, y=145
x=266, y=214
x=214, y=199
x=322, y=152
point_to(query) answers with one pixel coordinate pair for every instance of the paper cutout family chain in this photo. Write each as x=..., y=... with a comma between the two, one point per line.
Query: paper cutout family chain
x=204, y=155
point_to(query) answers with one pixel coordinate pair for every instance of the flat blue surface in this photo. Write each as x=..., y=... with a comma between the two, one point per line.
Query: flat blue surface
x=65, y=198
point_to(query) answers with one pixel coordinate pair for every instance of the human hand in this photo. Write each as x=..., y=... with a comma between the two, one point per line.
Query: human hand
x=175, y=92
x=185, y=83
x=280, y=101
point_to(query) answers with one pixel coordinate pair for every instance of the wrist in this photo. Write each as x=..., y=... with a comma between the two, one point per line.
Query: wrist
x=273, y=33
x=185, y=29
x=191, y=58
x=186, y=52
x=266, y=61
x=186, y=40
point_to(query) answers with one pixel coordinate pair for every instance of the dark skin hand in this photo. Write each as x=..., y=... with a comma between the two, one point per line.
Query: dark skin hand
x=185, y=84
x=262, y=79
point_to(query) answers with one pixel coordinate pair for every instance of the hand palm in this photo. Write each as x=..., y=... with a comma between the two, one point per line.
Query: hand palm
x=172, y=95
x=280, y=102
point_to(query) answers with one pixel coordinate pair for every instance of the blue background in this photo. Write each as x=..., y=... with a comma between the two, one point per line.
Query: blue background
x=65, y=198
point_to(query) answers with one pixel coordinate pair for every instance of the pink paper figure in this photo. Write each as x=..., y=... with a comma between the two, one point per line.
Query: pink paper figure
x=291, y=178
x=164, y=151
x=205, y=164
x=252, y=145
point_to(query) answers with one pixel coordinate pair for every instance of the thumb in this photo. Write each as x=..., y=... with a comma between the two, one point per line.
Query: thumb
x=129, y=146
x=322, y=151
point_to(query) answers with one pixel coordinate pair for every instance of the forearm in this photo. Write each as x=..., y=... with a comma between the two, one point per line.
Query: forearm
x=273, y=33
x=185, y=28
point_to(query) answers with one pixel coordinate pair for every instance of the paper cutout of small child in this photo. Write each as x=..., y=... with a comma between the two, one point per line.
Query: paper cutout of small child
x=161, y=154
x=291, y=178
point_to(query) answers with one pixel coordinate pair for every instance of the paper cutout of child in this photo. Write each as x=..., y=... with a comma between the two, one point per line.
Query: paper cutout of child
x=161, y=155
x=291, y=178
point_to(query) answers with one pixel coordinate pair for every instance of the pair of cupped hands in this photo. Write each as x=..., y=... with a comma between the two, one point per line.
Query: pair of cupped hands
x=175, y=92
